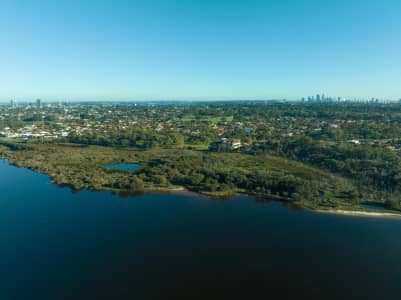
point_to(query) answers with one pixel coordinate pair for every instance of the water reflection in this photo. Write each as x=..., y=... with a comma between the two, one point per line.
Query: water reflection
x=128, y=194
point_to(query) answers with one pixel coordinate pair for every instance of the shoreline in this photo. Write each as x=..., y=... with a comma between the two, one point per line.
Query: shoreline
x=183, y=190
x=359, y=213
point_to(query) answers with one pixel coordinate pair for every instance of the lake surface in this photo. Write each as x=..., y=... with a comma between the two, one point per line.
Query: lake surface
x=123, y=167
x=96, y=245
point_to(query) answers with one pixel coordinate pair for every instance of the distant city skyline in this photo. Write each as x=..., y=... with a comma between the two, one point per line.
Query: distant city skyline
x=313, y=98
x=199, y=50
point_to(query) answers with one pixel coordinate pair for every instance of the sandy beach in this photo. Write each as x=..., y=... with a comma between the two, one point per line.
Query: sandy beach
x=357, y=213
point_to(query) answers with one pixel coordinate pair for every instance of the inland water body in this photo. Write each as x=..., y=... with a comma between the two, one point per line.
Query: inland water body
x=56, y=244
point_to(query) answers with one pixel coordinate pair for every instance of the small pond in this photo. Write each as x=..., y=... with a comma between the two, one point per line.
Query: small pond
x=131, y=168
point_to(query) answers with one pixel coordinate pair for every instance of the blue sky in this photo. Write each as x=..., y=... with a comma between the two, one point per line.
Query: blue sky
x=148, y=50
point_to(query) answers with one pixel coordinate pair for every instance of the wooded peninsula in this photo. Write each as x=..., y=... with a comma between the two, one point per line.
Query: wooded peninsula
x=320, y=155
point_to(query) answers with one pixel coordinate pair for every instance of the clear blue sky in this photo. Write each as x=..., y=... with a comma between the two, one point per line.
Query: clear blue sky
x=131, y=50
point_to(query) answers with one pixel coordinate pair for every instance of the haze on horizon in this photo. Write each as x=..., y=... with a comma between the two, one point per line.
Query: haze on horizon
x=199, y=50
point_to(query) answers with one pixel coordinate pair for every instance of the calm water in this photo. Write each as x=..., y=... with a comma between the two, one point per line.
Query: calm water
x=59, y=245
x=124, y=167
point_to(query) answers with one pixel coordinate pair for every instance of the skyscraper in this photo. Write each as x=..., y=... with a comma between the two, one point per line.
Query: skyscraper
x=38, y=103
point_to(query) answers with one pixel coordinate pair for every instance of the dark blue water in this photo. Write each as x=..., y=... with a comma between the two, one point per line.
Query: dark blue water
x=124, y=167
x=59, y=245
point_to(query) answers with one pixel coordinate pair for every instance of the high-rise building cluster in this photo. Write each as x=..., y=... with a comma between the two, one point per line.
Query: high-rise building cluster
x=321, y=98
x=38, y=104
